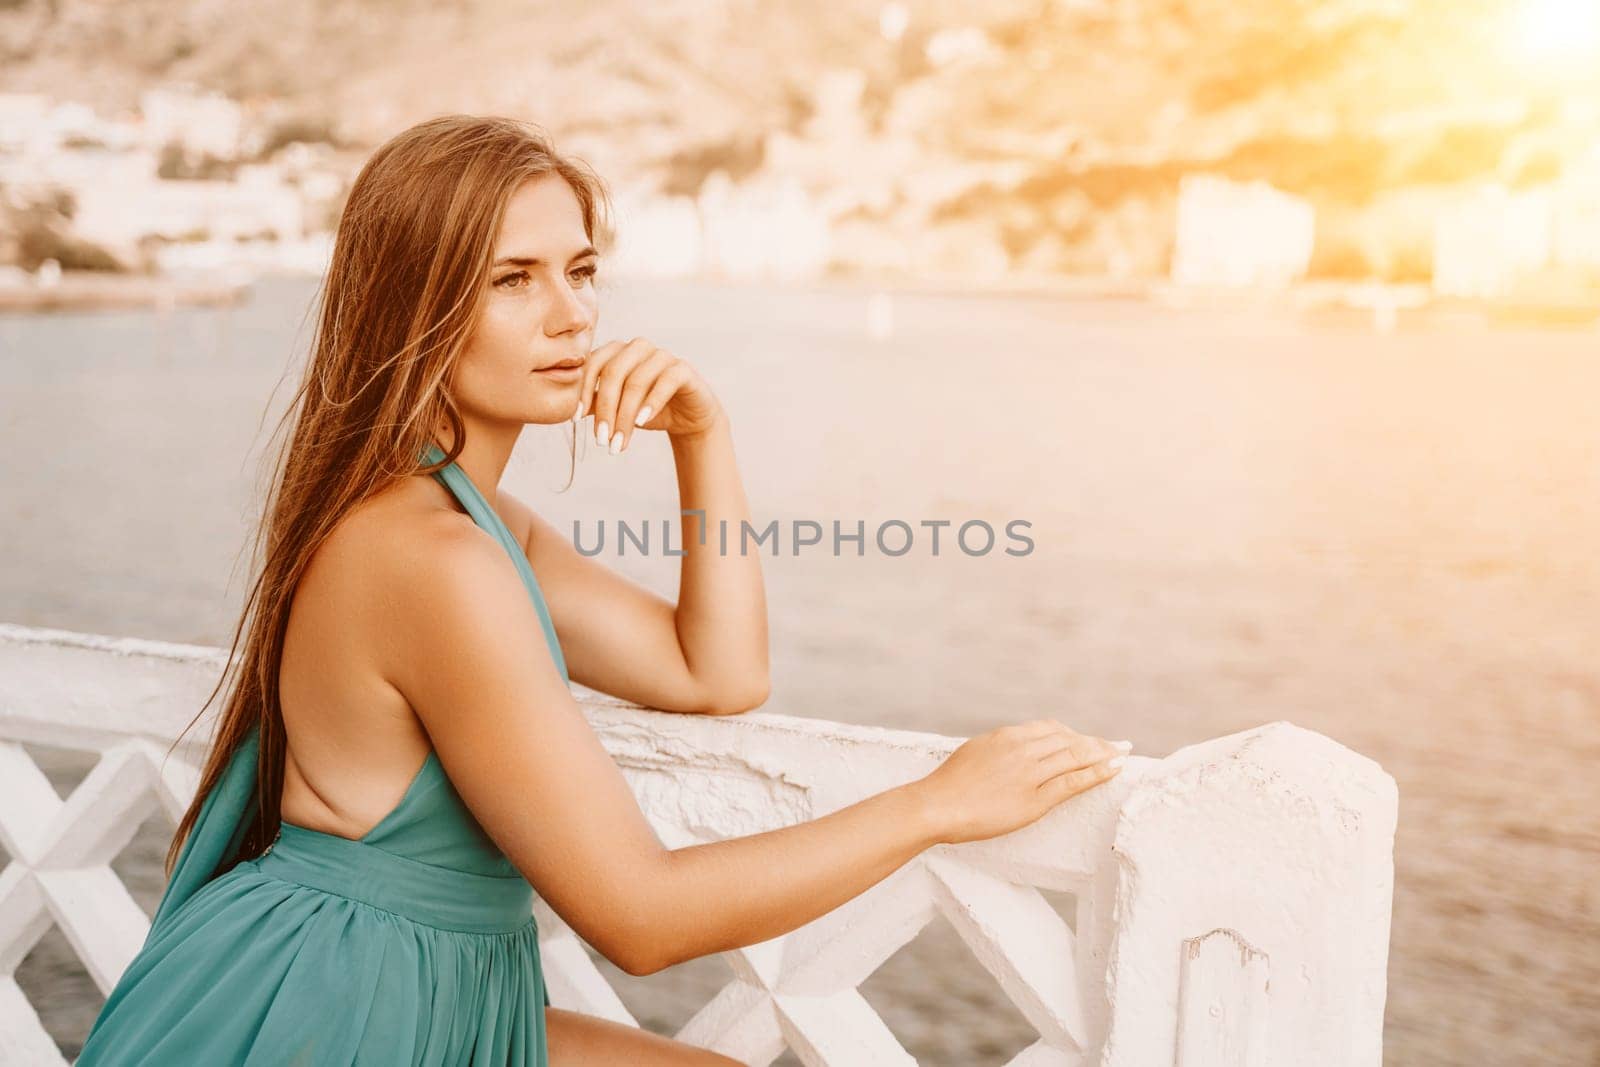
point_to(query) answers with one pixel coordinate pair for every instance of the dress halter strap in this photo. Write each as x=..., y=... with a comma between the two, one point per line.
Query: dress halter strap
x=455, y=479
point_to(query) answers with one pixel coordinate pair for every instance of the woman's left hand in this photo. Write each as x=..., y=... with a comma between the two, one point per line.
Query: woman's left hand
x=630, y=385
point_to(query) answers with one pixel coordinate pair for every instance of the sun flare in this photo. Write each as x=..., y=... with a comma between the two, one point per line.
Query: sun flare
x=1561, y=30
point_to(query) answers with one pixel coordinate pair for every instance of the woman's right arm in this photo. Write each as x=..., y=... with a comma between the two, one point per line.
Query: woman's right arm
x=470, y=656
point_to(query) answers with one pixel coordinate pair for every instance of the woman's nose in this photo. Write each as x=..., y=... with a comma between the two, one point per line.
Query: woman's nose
x=568, y=314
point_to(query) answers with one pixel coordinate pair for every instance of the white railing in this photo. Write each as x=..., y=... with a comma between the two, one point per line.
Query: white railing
x=1232, y=899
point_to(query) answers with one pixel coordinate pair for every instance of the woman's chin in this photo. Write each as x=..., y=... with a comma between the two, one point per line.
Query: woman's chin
x=552, y=415
x=553, y=404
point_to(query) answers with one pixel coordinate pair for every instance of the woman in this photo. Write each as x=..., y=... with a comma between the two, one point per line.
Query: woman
x=401, y=762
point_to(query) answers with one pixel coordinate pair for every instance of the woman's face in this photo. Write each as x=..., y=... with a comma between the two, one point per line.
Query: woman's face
x=539, y=309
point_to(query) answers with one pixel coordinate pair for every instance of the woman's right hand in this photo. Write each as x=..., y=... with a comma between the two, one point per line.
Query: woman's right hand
x=1003, y=780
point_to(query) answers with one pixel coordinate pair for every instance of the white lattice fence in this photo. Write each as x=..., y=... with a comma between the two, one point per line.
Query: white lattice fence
x=709, y=779
x=1194, y=878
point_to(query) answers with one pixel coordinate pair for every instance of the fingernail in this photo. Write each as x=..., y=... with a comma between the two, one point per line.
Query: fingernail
x=577, y=414
x=1124, y=745
x=1116, y=761
x=600, y=433
x=616, y=442
x=643, y=416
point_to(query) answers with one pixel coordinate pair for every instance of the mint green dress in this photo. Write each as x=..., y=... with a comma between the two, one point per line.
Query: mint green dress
x=415, y=944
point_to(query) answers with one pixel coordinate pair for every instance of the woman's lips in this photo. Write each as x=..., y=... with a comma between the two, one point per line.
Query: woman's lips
x=564, y=373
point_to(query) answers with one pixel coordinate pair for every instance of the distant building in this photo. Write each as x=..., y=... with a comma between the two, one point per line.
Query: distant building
x=1576, y=222
x=763, y=228
x=1491, y=238
x=1240, y=234
x=40, y=139
x=1488, y=238
x=657, y=237
x=24, y=121
x=202, y=122
x=74, y=168
x=118, y=215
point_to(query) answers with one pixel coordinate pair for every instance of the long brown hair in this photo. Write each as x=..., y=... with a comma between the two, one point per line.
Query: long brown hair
x=410, y=264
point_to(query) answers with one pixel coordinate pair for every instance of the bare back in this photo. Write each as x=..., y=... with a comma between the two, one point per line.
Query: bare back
x=355, y=743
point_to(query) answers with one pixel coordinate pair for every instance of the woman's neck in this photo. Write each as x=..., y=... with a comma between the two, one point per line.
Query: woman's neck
x=484, y=457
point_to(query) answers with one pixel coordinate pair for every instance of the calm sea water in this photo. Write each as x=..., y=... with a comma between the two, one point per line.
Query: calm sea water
x=1236, y=518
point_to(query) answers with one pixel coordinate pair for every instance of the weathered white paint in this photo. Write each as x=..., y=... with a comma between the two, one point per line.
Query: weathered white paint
x=1222, y=1001
x=1276, y=834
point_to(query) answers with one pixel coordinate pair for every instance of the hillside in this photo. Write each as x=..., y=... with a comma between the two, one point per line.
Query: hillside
x=1102, y=105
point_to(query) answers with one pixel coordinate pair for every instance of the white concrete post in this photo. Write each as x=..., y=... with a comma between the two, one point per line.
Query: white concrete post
x=1254, y=884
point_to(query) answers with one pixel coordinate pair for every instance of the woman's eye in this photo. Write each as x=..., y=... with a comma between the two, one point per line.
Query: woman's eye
x=512, y=281
x=586, y=272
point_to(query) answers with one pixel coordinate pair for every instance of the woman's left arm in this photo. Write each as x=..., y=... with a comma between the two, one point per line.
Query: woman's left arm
x=707, y=653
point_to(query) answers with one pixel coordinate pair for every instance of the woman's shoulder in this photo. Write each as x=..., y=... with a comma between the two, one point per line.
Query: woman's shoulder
x=400, y=580
x=408, y=542
x=418, y=585
x=406, y=522
x=379, y=549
